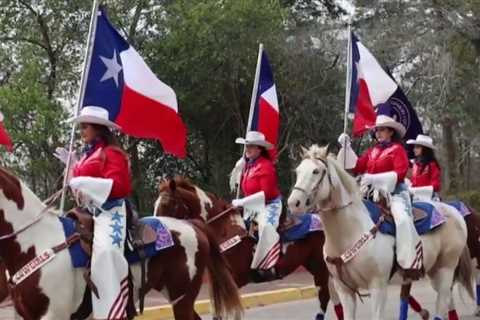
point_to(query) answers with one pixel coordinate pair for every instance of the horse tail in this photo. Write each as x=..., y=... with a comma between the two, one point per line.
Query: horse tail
x=223, y=290
x=464, y=272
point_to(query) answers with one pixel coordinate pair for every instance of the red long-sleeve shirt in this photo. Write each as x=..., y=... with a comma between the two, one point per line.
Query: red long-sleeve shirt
x=260, y=175
x=379, y=159
x=107, y=162
x=427, y=175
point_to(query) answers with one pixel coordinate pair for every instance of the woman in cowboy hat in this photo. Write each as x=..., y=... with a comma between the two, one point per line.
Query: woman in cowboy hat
x=386, y=163
x=426, y=170
x=259, y=175
x=102, y=175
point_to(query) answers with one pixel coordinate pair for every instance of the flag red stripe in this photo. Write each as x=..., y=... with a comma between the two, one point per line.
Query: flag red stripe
x=268, y=124
x=143, y=117
x=5, y=138
x=268, y=121
x=272, y=255
x=272, y=260
x=116, y=307
x=364, y=113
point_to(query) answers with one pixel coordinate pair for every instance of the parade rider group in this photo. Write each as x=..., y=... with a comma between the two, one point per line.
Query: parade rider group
x=101, y=178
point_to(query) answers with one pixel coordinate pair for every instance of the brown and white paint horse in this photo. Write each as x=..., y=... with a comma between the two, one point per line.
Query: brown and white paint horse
x=56, y=290
x=180, y=198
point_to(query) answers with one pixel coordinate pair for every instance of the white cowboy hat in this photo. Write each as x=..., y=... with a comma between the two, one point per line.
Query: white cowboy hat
x=389, y=122
x=422, y=140
x=255, y=138
x=96, y=115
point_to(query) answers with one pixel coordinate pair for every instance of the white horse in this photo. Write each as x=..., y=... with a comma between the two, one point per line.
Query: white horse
x=54, y=292
x=322, y=182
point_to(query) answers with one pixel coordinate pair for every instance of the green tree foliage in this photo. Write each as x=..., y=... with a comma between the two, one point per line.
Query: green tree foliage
x=207, y=51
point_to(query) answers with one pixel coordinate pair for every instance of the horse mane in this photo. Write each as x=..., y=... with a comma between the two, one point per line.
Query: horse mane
x=321, y=153
x=184, y=183
x=187, y=184
x=11, y=187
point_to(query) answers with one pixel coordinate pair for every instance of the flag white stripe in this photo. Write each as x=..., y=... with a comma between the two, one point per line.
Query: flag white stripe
x=380, y=85
x=271, y=97
x=138, y=76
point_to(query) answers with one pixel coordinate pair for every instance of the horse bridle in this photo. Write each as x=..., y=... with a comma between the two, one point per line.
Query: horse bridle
x=49, y=204
x=317, y=185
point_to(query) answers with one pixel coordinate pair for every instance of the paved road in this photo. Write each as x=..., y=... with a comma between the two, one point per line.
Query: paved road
x=307, y=309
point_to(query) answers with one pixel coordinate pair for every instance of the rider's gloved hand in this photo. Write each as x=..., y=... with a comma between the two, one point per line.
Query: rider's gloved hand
x=237, y=203
x=346, y=156
x=344, y=139
x=62, y=154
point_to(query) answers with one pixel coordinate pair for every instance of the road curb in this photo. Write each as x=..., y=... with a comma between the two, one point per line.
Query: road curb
x=249, y=300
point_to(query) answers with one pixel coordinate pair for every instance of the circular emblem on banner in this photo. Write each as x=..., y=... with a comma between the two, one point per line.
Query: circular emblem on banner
x=400, y=112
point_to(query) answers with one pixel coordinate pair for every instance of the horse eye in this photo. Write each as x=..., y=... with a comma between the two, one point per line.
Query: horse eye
x=316, y=171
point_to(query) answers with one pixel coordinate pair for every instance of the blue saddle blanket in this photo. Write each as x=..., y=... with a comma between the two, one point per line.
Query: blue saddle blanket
x=432, y=219
x=460, y=206
x=309, y=222
x=163, y=240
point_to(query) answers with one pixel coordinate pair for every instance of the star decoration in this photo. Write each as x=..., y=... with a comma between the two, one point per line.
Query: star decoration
x=117, y=217
x=271, y=219
x=116, y=228
x=113, y=68
x=116, y=240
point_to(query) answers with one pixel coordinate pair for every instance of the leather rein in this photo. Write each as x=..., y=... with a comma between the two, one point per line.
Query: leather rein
x=49, y=204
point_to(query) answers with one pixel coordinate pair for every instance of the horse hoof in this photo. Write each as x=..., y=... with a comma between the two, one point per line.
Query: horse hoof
x=320, y=316
x=477, y=313
x=424, y=314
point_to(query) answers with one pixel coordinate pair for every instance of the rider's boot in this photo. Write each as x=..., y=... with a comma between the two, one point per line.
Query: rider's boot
x=264, y=275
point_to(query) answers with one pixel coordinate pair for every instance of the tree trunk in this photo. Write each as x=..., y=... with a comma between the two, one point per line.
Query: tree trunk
x=450, y=152
x=137, y=176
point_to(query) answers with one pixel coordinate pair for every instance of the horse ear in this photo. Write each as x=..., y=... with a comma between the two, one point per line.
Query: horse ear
x=173, y=185
x=332, y=148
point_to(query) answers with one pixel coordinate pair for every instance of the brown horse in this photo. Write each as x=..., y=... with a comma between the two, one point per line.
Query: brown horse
x=3, y=283
x=181, y=199
x=29, y=230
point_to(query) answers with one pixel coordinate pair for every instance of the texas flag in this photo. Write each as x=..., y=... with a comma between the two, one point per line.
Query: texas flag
x=4, y=136
x=120, y=81
x=372, y=86
x=265, y=116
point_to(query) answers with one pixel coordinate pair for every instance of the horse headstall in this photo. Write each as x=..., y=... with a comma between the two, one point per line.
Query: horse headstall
x=325, y=173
